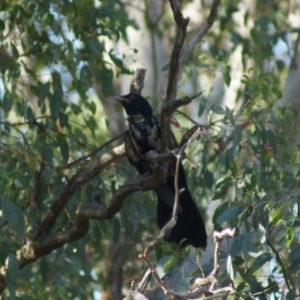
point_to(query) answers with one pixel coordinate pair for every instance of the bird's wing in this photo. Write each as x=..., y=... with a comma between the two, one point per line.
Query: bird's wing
x=133, y=156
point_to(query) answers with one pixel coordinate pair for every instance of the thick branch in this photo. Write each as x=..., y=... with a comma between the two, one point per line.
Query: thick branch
x=45, y=245
x=181, y=23
x=73, y=185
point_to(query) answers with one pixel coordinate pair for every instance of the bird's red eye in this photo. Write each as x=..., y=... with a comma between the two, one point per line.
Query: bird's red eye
x=131, y=97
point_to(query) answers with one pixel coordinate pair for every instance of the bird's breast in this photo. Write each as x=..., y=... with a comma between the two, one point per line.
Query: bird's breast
x=145, y=133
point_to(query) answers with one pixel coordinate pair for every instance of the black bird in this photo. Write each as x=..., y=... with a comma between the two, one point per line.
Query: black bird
x=143, y=135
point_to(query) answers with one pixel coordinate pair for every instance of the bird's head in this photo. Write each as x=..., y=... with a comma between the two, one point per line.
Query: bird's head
x=135, y=104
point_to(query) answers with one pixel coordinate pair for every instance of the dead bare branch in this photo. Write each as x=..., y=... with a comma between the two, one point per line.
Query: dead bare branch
x=137, y=83
x=199, y=286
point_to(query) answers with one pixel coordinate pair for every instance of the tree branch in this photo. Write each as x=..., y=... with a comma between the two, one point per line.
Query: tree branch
x=188, y=47
x=73, y=185
x=179, y=53
x=280, y=262
x=182, y=24
x=200, y=283
x=78, y=161
x=200, y=286
x=44, y=245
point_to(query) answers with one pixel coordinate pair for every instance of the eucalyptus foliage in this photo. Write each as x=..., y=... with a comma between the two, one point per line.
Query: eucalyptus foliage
x=51, y=55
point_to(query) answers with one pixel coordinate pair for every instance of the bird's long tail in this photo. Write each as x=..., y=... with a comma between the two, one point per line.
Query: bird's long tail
x=190, y=227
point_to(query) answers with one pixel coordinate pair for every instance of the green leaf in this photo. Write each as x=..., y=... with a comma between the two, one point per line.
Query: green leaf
x=96, y=46
x=85, y=75
x=75, y=109
x=6, y=208
x=64, y=149
x=117, y=61
x=237, y=136
x=222, y=188
x=218, y=212
x=247, y=245
x=236, y=245
x=292, y=294
x=230, y=212
x=164, y=264
x=290, y=235
x=294, y=209
x=93, y=107
x=229, y=267
x=280, y=64
x=14, y=51
x=259, y=262
x=272, y=141
x=276, y=216
x=55, y=103
x=7, y=102
x=56, y=54
x=46, y=153
x=44, y=91
x=226, y=76
x=232, y=153
x=218, y=110
x=12, y=275
x=2, y=25
x=202, y=106
x=261, y=233
x=14, y=217
x=105, y=76
x=295, y=253
x=208, y=179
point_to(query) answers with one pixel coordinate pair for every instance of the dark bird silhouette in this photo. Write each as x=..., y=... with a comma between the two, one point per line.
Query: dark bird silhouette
x=143, y=135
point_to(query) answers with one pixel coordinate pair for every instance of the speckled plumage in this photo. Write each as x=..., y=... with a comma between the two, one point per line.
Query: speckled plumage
x=143, y=135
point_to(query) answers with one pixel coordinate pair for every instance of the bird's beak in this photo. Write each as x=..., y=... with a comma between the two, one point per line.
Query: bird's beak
x=121, y=99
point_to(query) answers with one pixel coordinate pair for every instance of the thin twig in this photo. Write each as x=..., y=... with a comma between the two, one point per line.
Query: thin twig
x=182, y=24
x=280, y=262
x=155, y=275
x=78, y=161
x=144, y=282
